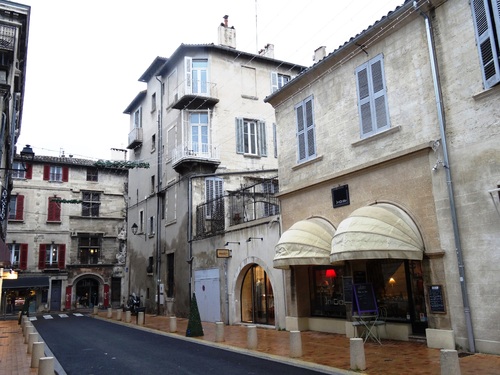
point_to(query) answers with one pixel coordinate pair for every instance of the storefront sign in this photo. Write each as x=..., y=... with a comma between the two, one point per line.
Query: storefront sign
x=340, y=196
x=3, y=204
x=223, y=253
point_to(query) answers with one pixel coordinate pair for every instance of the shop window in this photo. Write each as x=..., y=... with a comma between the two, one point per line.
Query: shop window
x=257, y=298
x=327, y=296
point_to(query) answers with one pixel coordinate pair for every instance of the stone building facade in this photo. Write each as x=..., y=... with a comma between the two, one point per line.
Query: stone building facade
x=67, y=233
x=392, y=183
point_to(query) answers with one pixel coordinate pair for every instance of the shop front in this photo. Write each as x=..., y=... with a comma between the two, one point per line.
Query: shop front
x=379, y=245
x=15, y=293
x=257, y=297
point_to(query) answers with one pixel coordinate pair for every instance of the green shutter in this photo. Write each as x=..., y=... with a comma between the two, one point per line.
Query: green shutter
x=240, y=144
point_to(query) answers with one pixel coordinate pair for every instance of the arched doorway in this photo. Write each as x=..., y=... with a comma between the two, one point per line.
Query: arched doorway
x=87, y=292
x=257, y=298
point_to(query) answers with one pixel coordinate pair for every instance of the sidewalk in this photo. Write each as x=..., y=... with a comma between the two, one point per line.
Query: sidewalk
x=324, y=349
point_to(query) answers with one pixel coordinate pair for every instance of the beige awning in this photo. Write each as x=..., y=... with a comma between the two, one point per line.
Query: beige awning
x=307, y=242
x=381, y=231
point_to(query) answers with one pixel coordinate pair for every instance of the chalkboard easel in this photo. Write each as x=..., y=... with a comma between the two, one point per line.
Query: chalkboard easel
x=436, y=300
x=364, y=299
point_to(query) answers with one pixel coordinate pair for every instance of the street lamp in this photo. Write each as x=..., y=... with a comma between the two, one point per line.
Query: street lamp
x=27, y=155
x=134, y=229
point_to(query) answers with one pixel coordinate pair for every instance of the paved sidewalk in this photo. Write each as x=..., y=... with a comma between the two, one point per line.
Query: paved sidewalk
x=323, y=349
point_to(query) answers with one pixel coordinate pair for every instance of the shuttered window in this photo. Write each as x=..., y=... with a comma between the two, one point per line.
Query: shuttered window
x=16, y=207
x=251, y=137
x=306, y=138
x=486, y=17
x=213, y=196
x=372, y=98
x=54, y=210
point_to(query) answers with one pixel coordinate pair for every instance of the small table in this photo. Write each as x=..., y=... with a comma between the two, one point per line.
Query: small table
x=368, y=324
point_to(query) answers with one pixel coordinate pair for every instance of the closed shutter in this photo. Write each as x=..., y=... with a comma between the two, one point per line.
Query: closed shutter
x=301, y=131
x=365, y=112
x=23, y=256
x=188, y=65
x=240, y=136
x=485, y=40
x=65, y=174
x=262, y=138
x=61, y=257
x=311, y=143
x=42, y=251
x=46, y=172
x=29, y=171
x=274, y=82
x=20, y=207
x=54, y=211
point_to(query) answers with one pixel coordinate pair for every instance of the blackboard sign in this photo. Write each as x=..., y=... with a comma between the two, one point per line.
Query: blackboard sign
x=340, y=196
x=364, y=299
x=347, y=280
x=436, y=300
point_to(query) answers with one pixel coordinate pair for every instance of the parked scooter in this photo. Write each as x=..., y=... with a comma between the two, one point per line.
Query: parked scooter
x=133, y=303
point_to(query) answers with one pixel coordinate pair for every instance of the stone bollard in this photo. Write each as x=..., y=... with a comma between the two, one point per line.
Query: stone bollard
x=140, y=318
x=358, y=360
x=29, y=329
x=295, y=344
x=37, y=353
x=219, y=331
x=46, y=366
x=95, y=310
x=110, y=313
x=32, y=337
x=26, y=325
x=173, y=324
x=128, y=316
x=252, y=337
x=449, y=362
x=119, y=314
x=24, y=320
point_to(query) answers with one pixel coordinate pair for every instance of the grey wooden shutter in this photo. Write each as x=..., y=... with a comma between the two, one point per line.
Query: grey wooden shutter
x=240, y=141
x=262, y=141
x=301, y=141
x=485, y=40
x=274, y=82
x=311, y=143
x=381, y=119
x=364, y=105
x=188, y=66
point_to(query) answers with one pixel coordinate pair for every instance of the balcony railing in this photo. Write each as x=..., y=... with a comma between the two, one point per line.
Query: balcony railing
x=199, y=152
x=134, y=138
x=204, y=96
x=7, y=37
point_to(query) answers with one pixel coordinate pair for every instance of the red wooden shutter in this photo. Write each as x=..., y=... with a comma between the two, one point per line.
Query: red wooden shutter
x=54, y=210
x=61, y=263
x=29, y=171
x=19, y=207
x=68, y=297
x=46, y=172
x=65, y=174
x=23, y=257
x=41, y=256
x=106, y=295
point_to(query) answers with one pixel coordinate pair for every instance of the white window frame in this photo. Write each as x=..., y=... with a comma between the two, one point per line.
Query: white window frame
x=138, y=118
x=251, y=137
x=56, y=173
x=196, y=78
x=372, y=97
x=199, y=133
x=18, y=171
x=52, y=255
x=15, y=254
x=306, y=130
x=279, y=80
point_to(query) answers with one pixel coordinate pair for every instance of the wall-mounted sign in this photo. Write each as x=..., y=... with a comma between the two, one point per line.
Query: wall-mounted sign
x=340, y=196
x=436, y=300
x=223, y=253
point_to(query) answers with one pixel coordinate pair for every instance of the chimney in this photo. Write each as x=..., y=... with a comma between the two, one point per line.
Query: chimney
x=267, y=51
x=227, y=35
x=319, y=54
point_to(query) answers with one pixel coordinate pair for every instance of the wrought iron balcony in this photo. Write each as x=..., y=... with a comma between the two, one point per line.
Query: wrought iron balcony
x=187, y=154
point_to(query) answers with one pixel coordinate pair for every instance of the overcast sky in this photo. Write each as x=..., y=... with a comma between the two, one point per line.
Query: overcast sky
x=85, y=57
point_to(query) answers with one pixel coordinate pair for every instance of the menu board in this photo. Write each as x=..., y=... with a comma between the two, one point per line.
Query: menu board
x=347, y=288
x=364, y=299
x=436, y=300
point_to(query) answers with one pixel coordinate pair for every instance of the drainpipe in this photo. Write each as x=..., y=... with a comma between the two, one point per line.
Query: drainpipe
x=447, y=168
x=158, y=201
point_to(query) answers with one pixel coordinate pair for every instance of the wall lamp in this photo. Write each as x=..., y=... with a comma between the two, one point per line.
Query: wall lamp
x=27, y=155
x=255, y=238
x=134, y=228
x=227, y=243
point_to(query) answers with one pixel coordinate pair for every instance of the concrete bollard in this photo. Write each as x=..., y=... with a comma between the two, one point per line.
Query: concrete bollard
x=128, y=316
x=29, y=329
x=95, y=310
x=46, y=366
x=119, y=314
x=295, y=344
x=110, y=313
x=24, y=320
x=26, y=325
x=449, y=362
x=219, y=331
x=358, y=360
x=37, y=353
x=252, y=337
x=140, y=318
x=33, y=337
x=173, y=324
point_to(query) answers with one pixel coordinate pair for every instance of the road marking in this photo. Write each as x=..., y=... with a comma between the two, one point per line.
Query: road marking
x=63, y=315
x=78, y=314
x=48, y=317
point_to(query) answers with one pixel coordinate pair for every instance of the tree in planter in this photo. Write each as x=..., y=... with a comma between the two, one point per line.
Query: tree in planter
x=194, y=328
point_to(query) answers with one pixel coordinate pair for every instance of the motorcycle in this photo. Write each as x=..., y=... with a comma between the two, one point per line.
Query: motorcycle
x=133, y=303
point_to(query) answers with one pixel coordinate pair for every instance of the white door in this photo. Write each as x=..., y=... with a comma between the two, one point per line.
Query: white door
x=207, y=289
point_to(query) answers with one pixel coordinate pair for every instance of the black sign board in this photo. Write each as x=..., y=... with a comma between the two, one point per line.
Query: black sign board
x=347, y=288
x=436, y=300
x=340, y=196
x=364, y=299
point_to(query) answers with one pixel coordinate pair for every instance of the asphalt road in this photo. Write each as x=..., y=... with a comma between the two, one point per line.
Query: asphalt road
x=88, y=346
